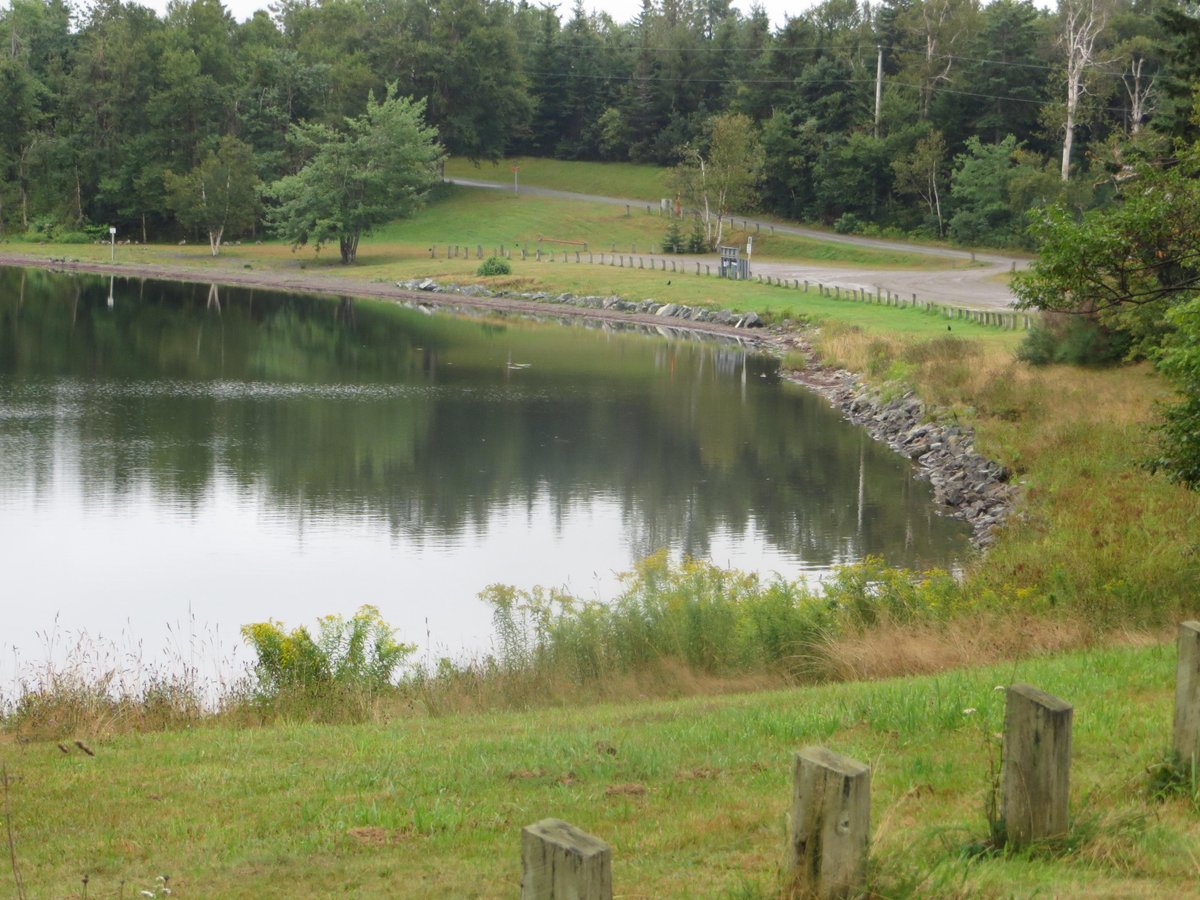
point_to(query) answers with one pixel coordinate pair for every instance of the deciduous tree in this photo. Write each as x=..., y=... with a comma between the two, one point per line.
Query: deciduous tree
x=218, y=195
x=378, y=169
x=723, y=175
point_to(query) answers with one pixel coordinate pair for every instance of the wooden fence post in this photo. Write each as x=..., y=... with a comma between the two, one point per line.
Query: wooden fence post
x=1035, y=773
x=560, y=862
x=830, y=823
x=1187, y=696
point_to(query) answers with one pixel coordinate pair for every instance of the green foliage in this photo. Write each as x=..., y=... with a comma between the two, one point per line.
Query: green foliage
x=713, y=620
x=980, y=192
x=378, y=169
x=1075, y=340
x=673, y=239
x=1179, y=434
x=219, y=195
x=848, y=223
x=1135, y=269
x=1125, y=265
x=494, y=265
x=358, y=654
x=696, y=241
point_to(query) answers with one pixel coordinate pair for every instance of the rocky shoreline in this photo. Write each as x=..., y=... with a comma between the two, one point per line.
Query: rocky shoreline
x=676, y=311
x=966, y=485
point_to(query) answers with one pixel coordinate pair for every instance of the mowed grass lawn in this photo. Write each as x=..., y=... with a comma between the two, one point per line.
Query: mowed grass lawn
x=647, y=183
x=691, y=794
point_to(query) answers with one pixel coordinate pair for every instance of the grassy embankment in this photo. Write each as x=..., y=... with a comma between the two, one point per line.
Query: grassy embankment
x=693, y=797
x=692, y=794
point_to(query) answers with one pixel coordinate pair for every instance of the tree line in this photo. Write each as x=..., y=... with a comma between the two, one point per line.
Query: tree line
x=944, y=117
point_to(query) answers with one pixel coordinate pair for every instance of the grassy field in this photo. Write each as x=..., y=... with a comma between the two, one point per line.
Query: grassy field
x=692, y=794
x=639, y=182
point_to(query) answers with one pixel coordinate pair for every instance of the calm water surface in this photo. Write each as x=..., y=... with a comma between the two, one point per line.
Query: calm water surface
x=179, y=460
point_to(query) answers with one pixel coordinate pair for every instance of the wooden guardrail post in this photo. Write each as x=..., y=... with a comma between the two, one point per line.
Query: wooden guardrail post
x=830, y=823
x=561, y=862
x=1187, y=696
x=1035, y=773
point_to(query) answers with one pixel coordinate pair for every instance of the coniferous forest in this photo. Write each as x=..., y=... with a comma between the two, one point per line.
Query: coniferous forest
x=942, y=118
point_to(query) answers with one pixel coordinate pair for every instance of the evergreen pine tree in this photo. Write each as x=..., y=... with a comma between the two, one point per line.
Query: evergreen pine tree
x=673, y=240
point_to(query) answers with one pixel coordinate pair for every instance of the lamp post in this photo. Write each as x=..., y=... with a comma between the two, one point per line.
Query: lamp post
x=112, y=241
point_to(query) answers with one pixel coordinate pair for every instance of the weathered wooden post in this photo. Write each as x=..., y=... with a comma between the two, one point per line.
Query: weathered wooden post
x=1035, y=773
x=1187, y=697
x=433, y=252
x=830, y=823
x=560, y=862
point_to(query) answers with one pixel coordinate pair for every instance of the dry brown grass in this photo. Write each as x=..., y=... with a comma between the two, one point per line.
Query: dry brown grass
x=901, y=650
x=476, y=688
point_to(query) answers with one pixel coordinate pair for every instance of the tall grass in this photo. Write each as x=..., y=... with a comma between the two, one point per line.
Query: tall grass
x=1095, y=535
x=707, y=620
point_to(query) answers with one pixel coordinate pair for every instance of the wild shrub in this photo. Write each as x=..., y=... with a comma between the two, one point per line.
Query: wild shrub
x=848, y=223
x=359, y=654
x=712, y=620
x=494, y=265
x=1179, y=433
x=1075, y=340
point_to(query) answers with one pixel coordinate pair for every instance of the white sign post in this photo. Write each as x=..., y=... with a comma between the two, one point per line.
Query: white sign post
x=112, y=241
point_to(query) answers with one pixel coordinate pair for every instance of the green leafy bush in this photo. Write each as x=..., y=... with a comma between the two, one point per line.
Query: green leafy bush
x=1075, y=340
x=359, y=653
x=494, y=265
x=1179, y=433
x=848, y=223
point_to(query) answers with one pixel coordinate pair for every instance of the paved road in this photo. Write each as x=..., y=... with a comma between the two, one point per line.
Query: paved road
x=982, y=285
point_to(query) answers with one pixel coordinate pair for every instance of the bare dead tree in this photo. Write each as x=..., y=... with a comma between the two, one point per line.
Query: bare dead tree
x=1082, y=22
x=1139, y=88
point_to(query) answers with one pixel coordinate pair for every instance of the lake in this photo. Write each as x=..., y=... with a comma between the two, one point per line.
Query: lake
x=179, y=460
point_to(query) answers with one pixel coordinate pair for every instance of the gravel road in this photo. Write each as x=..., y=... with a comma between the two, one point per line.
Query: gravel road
x=981, y=286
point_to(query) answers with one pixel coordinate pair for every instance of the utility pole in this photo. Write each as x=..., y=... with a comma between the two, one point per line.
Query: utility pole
x=878, y=86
